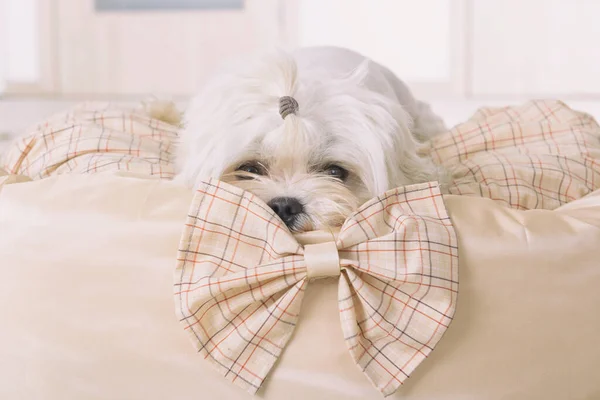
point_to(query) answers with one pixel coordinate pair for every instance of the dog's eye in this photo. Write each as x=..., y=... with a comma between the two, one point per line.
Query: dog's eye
x=254, y=168
x=335, y=171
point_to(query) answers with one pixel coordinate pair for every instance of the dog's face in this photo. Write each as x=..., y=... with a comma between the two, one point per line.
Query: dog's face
x=310, y=181
x=345, y=144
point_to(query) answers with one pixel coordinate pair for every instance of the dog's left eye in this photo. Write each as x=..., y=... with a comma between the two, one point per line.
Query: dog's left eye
x=335, y=171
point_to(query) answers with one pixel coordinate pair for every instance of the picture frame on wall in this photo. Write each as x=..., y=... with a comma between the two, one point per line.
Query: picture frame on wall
x=166, y=5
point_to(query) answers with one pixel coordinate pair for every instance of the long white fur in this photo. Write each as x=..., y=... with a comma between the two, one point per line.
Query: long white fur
x=352, y=112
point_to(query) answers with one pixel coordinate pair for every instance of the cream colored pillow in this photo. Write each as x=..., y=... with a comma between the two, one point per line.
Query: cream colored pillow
x=89, y=313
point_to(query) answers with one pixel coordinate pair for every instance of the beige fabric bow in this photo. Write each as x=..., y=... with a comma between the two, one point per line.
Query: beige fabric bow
x=241, y=276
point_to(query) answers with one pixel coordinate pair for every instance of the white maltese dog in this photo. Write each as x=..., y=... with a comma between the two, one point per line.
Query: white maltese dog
x=314, y=134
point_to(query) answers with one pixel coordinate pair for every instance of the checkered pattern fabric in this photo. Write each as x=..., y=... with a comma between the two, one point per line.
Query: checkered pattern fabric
x=538, y=155
x=91, y=138
x=241, y=276
x=541, y=154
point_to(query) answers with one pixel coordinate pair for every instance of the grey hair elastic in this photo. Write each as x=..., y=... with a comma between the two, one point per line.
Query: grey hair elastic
x=287, y=105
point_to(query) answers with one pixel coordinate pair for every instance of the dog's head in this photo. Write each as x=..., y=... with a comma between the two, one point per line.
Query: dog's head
x=342, y=145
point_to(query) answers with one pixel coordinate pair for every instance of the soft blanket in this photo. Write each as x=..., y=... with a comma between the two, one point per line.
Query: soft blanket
x=539, y=155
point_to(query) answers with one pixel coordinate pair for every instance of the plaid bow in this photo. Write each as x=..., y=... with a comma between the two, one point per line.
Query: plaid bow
x=241, y=276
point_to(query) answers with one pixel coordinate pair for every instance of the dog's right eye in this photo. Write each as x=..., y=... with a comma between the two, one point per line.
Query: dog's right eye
x=253, y=168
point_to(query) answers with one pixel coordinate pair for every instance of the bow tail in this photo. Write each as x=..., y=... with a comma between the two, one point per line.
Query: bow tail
x=242, y=325
x=387, y=329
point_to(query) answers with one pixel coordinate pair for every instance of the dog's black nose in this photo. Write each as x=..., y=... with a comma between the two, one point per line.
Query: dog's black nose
x=288, y=209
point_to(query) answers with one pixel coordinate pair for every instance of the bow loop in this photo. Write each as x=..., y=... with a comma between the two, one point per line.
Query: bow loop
x=246, y=229
x=241, y=276
x=322, y=260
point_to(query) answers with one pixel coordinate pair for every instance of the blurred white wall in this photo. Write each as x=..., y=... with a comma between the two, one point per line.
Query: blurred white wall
x=443, y=48
x=536, y=47
x=22, y=65
x=3, y=50
x=19, y=47
x=409, y=36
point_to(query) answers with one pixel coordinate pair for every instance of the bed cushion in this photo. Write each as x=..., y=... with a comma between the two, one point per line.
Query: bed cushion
x=91, y=316
x=88, y=313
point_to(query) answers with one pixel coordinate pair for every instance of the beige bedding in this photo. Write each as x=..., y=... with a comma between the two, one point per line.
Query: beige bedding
x=89, y=237
x=538, y=155
x=89, y=314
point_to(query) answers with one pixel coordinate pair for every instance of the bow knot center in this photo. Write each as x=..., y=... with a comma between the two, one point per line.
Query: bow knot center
x=322, y=260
